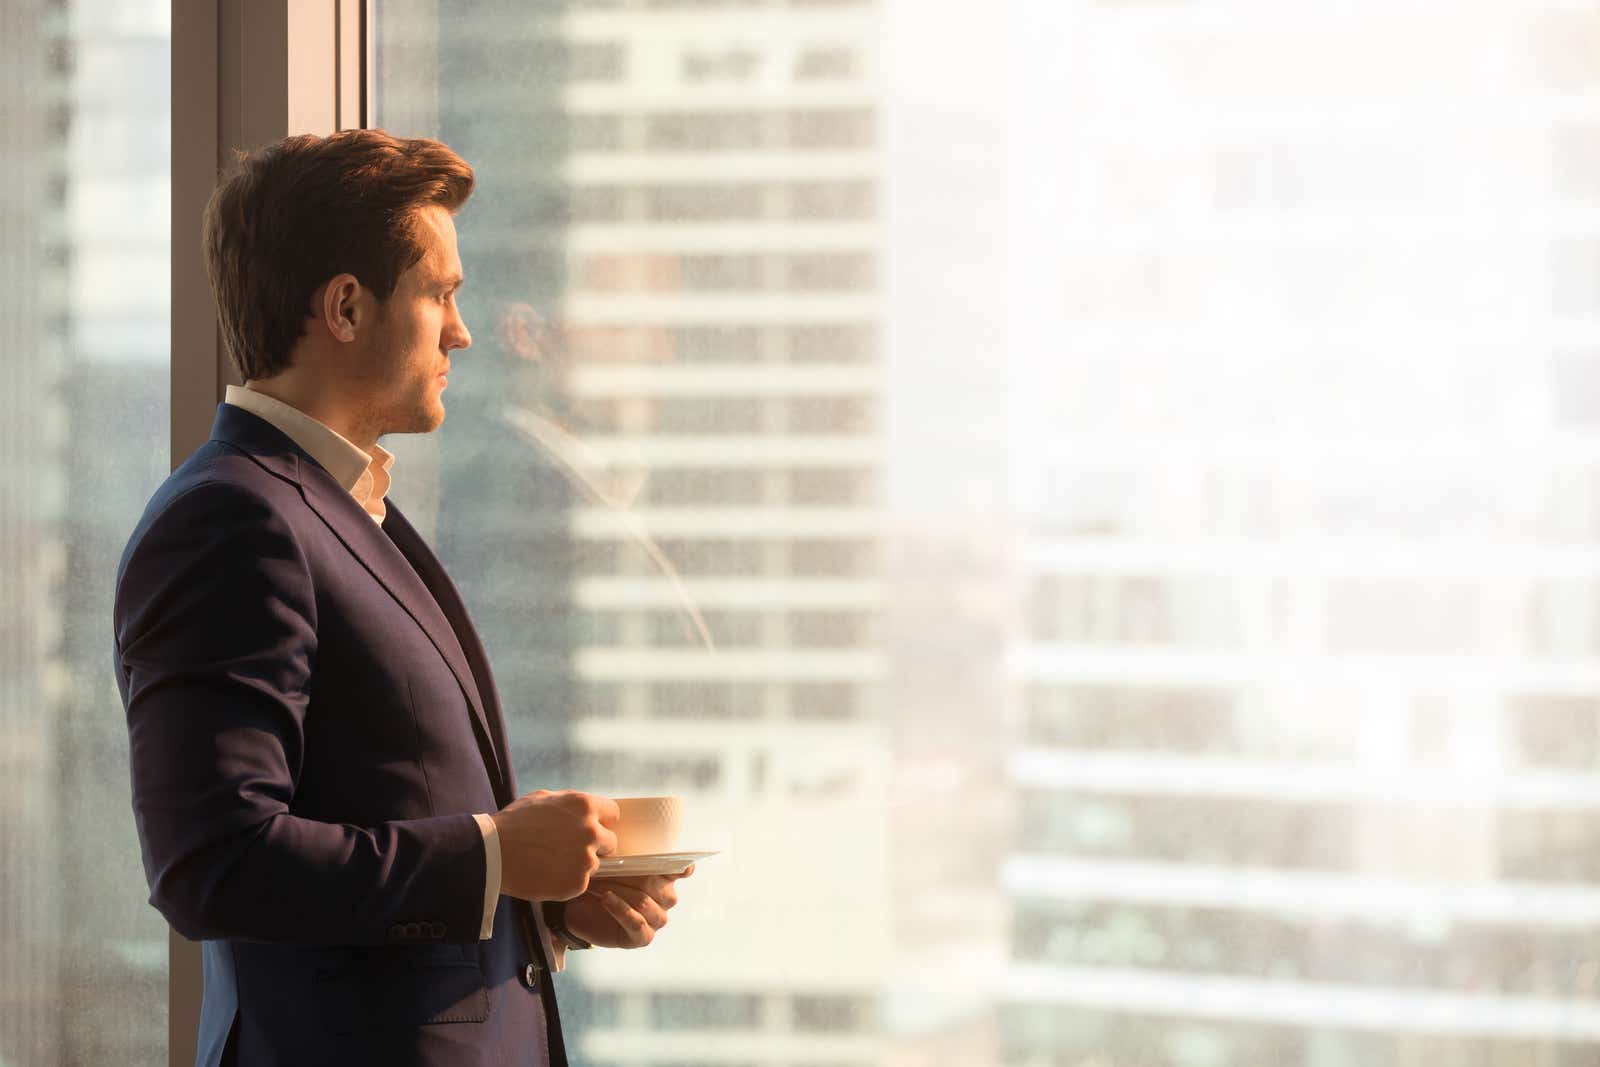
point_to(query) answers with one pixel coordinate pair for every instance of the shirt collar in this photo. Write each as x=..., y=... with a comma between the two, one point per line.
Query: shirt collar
x=363, y=475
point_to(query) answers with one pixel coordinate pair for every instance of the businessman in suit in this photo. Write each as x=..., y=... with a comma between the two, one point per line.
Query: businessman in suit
x=321, y=779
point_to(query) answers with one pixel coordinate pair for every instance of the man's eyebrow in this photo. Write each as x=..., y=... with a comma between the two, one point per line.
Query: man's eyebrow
x=454, y=281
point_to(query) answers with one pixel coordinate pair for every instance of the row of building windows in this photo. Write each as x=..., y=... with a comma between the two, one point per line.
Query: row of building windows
x=543, y=135
x=1396, y=839
x=668, y=772
x=1319, y=399
x=808, y=344
x=631, y=770
x=806, y=66
x=810, y=558
x=1276, y=173
x=831, y=1062
x=523, y=572
x=1537, y=731
x=728, y=629
x=559, y=59
x=564, y=59
x=1351, y=615
x=1400, y=498
x=835, y=415
x=532, y=575
x=1355, y=275
x=812, y=702
x=1501, y=960
x=1136, y=610
x=1059, y=1035
x=1187, y=720
x=842, y=200
x=815, y=487
x=807, y=1013
x=689, y=5
x=699, y=488
x=727, y=272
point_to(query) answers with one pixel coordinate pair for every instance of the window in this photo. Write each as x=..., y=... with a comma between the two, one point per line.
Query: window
x=830, y=487
x=825, y=702
x=830, y=629
x=705, y=1011
x=841, y=415
x=831, y=200
x=703, y=487
x=827, y=64
x=830, y=130
x=720, y=203
x=704, y=132
x=832, y=1014
x=705, y=700
x=1136, y=464
x=84, y=431
x=830, y=343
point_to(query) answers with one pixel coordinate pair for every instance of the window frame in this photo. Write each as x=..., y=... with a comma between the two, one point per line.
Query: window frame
x=308, y=69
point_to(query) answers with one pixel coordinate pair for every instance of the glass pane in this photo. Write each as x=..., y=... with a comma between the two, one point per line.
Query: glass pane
x=84, y=137
x=1093, y=502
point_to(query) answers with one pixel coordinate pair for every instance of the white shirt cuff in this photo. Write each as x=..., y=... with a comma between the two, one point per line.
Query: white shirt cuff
x=491, y=874
x=554, y=951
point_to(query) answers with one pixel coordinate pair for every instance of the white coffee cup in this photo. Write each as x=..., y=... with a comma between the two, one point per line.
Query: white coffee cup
x=647, y=825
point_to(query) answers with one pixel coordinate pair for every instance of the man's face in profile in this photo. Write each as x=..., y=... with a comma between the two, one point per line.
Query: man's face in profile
x=415, y=332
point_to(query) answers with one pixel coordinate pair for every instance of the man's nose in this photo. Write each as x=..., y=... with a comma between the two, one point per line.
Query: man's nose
x=459, y=336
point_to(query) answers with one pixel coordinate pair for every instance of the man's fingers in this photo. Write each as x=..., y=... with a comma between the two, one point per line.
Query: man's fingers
x=635, y=925
x=644, y=903
x=606, y=842
x=607, y=810
x=659, y=886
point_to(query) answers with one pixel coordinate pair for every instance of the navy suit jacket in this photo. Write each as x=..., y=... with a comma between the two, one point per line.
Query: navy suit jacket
x=311, y=724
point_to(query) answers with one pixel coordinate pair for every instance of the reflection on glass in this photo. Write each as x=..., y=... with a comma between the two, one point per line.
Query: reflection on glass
x=659, y=485
x=1135, y=465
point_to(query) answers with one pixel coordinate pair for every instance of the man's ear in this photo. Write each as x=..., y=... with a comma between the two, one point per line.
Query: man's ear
x=335, y=306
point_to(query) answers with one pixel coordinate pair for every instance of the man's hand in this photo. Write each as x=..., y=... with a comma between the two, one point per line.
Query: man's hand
x=551, y=843
x=624, y=912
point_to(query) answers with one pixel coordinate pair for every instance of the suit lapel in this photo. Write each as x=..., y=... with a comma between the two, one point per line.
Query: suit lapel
x=445, y=594
x=382, y=558
x=385, y=561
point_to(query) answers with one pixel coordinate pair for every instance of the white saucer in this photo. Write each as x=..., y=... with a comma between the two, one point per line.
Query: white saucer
x=652, y=863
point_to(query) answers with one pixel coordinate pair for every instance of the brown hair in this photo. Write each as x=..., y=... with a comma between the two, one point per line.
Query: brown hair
x=295, y=213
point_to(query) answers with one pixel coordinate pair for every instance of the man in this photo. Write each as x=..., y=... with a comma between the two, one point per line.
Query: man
x=320, y=769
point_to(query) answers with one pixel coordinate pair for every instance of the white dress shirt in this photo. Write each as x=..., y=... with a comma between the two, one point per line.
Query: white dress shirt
x=366, y=477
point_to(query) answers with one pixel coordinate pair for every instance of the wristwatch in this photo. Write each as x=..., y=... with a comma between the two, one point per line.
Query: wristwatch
x=555, y=920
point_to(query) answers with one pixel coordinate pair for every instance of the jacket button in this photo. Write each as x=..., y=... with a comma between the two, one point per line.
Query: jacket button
x=530, y=976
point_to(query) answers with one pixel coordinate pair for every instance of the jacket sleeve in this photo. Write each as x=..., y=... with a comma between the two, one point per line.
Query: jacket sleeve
x=216, y=636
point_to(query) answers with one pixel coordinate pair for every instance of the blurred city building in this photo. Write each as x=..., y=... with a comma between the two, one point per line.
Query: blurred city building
x=30, y=1010
x=1307, y=675
x=83, y=416
x=660, y=481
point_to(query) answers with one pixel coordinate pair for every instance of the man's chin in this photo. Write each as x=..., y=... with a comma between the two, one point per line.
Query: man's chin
x=426, y=420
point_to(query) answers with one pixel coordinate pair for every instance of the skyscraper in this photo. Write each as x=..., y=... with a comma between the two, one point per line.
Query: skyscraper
x=1306, y=769
x=84, y=315
x=661, y=495
x=30, y=923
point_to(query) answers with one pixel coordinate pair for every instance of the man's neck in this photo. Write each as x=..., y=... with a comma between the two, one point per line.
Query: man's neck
x=315, y=404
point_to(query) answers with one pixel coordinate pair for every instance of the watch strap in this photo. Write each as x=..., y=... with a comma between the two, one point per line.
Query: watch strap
x=555, y=920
